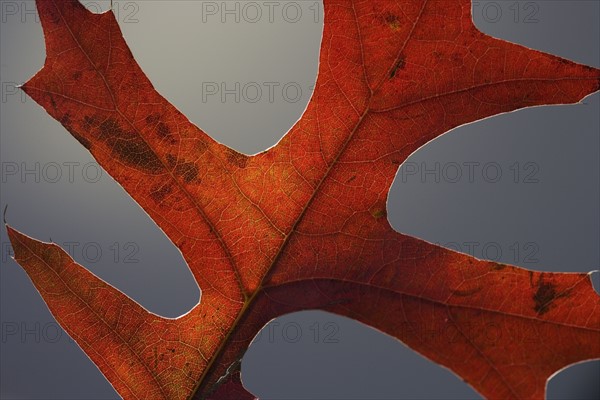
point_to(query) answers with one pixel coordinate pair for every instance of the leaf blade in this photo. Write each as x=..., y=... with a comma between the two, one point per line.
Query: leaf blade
x=393, y=76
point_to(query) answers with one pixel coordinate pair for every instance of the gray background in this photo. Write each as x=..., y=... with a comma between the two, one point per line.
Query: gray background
x=550, y=214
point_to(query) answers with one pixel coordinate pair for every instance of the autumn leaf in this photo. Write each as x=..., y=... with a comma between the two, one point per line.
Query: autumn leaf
x=303, y=225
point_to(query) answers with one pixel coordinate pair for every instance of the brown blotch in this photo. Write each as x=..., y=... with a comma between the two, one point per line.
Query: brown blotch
x=237, y=159
x=392, y=21
x=89, y=122
x=83, y=141
x=544, y=296
x=65, y=120
x=165, y=132
x=378, y=213
x=530, y=278
x=129, y=147
x=201, y=146
x=159, y=194
x=76, y=75
x=498, y=266
x=400, y=64
x=466, y=292
x=52, y=102
x=188, y=171
x=163, y=129
x=171, y=160
x=152, y=119
x=54, y=15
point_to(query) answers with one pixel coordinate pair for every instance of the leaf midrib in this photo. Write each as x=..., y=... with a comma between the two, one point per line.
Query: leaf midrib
x=316, y=190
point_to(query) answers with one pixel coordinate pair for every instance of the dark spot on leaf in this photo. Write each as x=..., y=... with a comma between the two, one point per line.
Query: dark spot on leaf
x=353, y=177
x=466, y=292
x=83, y=141
x=54, y=16
x=53, y=102
x=165, y=132
x=237, y=159
x=163, y=129
x=498, y=266
x=89, y=122
x=188, y=171
x=545, y=294
x=158, y=194
x=531, y=278
x=76, y=75
x=378, y=213
x=152, y=119
x=392, y=21
x=129, y=147
x=66, y=120
x=201, y=146
x=400, y=64
x=171, y=160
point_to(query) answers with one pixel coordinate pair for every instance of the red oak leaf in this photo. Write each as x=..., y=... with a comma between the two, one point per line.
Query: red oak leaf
x=303, y=225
